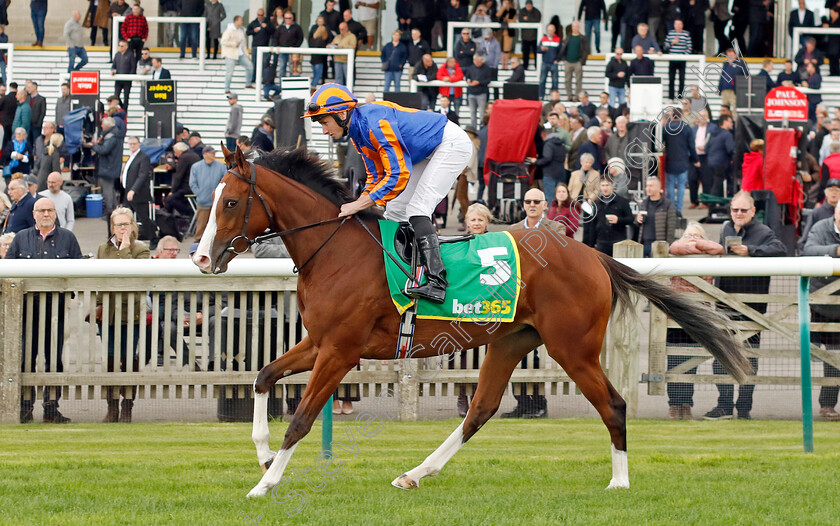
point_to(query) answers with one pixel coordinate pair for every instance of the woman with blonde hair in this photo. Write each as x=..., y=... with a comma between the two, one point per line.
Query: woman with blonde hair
x=477, y=218
x=122, y=244
x=51, y=161
x=319, y=36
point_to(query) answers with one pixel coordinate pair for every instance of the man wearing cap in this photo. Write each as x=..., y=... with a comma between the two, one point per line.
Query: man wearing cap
x=194, y=141
x=263, y=135
x=412, y=158
x=234, y=122
x=31, y=184
x=204, y=177
x=136, y=180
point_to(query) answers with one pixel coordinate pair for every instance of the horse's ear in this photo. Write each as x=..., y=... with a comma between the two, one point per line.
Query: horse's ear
x=238, y=158
x=228, y=155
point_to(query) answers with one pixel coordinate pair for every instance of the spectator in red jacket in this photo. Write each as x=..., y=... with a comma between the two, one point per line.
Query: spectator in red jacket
x=752, y=169
x=451, y=72
x=135, y=30
x=831, y=165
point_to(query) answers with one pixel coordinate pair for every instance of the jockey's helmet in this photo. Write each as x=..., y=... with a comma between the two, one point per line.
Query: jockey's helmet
x=330, y=98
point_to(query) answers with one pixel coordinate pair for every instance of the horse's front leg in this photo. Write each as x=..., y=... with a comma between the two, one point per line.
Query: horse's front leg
x=298, y=359
x=330, y=368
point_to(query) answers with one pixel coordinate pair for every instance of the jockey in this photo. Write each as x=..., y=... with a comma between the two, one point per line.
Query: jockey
x=412, y=158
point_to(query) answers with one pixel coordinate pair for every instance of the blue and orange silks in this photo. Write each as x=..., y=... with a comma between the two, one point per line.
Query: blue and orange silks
x=391, y=139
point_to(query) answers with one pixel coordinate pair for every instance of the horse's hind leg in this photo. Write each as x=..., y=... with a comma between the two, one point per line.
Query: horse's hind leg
x=502, y=358
x=580, y=361
x=299, y=358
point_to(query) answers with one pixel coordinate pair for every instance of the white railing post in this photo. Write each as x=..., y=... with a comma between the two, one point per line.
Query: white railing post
x=262, y=50
x=10, y=60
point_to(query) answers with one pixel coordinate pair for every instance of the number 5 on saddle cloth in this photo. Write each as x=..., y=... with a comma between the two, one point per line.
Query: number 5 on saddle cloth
x=483, y=274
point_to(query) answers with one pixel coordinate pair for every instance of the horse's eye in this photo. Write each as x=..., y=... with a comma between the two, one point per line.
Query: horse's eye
x=230, y=203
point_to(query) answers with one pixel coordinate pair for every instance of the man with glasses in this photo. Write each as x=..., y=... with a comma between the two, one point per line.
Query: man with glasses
x=742, y=236
x=530, y=397
x=288, y=34
x=412, y=158
x=45, y=240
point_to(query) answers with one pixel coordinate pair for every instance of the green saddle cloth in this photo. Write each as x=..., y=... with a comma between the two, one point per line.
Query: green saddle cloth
x=483, y=275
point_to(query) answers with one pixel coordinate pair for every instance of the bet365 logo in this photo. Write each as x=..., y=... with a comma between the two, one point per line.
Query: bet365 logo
x=481, y=308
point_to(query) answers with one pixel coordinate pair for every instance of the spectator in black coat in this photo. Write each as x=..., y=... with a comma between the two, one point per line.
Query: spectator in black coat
x=551, y=161
x=618, y=72
x=176, y=198
x=136, y=178
x=518, y=74
x=417, y=47
x=641, y=65
x=593, y=147
x=287, y=34
x=719, y=150
x=262, y=138
x=189, y=32
x=123, y=63
x=464, y=50
x=612, y=215
x=426, y=70
x=355, y=27
x=679, y=143
x=260, y=30
x=45, y=240
x=332, y=17
x=802, y=17
x=20, y=216
x=756, y=240
x=766, y=69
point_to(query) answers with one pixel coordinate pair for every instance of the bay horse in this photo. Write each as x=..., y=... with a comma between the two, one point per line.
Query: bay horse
x=568, y=293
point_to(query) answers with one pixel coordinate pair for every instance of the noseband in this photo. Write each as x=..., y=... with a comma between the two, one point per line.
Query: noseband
x=252, y=189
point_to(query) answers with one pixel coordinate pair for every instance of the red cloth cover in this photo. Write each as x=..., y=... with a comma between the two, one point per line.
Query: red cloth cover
x=779, y=165
x=510, y=137
x=833, y=163
x=751, y=168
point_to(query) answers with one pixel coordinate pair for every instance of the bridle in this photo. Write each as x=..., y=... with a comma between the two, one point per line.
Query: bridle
x=252, y=189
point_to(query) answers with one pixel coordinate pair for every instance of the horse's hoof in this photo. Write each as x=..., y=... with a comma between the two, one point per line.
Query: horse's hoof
x=616, y=484
x=258, y=491
x=404, y=482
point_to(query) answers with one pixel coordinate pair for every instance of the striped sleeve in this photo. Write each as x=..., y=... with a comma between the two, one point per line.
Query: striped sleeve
x=389, y=159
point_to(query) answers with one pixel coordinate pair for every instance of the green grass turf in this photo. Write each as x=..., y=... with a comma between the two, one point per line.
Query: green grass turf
x=523, y=472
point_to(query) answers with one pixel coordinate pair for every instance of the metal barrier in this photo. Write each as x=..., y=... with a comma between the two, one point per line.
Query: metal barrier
x=200, y=20
x=262, y=50
x=450, y=32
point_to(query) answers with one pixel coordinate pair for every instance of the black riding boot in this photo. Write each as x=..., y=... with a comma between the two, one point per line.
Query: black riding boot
x=427, y=241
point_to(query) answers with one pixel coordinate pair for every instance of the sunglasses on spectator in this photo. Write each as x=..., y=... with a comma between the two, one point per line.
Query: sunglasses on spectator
x=176, y=250
x=121, y=225
x=45, y=211
x=532, y=201
x=740, y=210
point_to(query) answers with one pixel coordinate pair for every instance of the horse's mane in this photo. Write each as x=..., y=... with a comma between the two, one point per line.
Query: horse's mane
x=308, y=169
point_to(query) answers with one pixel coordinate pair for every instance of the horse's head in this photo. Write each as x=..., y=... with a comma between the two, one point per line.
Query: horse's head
x=238, y=215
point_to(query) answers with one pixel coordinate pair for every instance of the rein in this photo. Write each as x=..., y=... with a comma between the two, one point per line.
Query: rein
x=252, y=182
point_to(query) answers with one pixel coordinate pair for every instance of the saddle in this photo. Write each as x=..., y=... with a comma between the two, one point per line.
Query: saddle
x=406, y=245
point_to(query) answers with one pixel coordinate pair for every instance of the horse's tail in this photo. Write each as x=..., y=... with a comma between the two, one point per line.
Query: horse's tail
x=705, y=326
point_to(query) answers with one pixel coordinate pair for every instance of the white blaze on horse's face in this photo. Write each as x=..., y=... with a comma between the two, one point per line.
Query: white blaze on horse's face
x=201, y=258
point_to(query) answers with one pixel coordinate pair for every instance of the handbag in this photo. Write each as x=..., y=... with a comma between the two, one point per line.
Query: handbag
x=87, y=22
